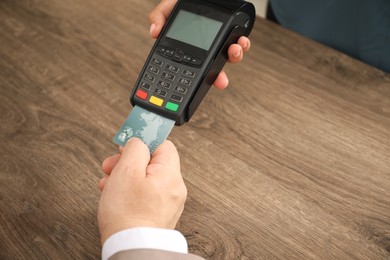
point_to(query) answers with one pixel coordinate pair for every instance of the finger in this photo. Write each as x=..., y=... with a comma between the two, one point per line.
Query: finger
x=245, y=43
x=134, y=159
x=109, y=163
x=159, y=15
x=120, y=149
x=235, y=53
x=102, y=182
x=165, y=155
x=221, y=81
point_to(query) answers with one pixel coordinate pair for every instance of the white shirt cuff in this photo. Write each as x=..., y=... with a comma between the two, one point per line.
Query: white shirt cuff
x=142, y=238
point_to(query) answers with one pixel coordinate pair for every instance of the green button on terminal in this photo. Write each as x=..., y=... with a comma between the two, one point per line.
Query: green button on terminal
x=172, y=106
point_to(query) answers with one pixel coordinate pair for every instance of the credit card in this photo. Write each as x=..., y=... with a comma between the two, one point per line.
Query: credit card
x=151, y=128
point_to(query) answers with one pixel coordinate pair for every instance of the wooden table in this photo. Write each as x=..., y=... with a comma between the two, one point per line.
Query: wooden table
x=291, y=161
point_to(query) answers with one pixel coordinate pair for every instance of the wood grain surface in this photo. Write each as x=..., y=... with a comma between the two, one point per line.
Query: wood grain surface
x=290, y=162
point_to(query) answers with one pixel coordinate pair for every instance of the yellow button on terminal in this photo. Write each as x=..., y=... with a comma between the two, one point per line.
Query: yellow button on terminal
x=156, y=101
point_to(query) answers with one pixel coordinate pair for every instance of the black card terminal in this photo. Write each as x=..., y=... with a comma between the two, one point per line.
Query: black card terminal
x=189, y=54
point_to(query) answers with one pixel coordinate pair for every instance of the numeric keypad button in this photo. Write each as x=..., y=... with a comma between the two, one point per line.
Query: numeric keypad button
x=149, y=77
x=188, y=73
x=181, y=90
x=176, y=98
x=157, y=62
x=184, y=81
x=145, y=86
x=160, y=92
x=153, y=69
x=172, y=68
x=168, y=76
x=164, y=84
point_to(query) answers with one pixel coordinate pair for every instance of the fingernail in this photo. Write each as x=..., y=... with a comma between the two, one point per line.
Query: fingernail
x=237, y=54
x=152, y=27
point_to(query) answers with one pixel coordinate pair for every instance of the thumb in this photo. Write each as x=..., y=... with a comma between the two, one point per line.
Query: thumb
x=159, y=15
x=135, y=158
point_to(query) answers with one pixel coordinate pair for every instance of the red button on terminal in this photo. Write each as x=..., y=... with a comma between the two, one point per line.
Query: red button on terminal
x=141, y=94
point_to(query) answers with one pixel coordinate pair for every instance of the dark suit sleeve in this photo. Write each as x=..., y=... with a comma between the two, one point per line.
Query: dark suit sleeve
x=150, y=254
